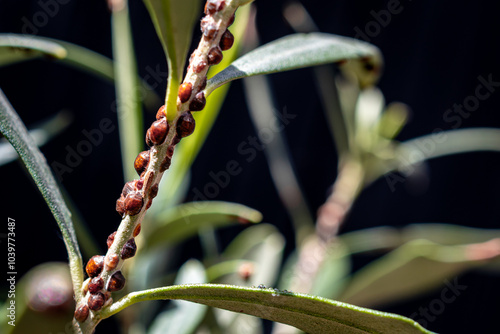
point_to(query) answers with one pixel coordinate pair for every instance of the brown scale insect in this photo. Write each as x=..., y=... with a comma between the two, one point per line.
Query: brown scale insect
x=231, y=20
x=81, y=313
x=111, y=238
x=185, y=124
x=165, y=164
x=111, y=261
x=170, y=151
x=94, y=266
x=154, y=191
x=141, y=162
x=161, y=113
x=198, y=103
x=96, y=301
x=157, y=132
x=116, y=282
x=96, y=285
x=203, y=84
x=120, y=206
x=185, y=91
x=133, y=203
x=210, y=31
x=226, y=41
x=211, y=7
x=150, y=202
x=200, y=66
x=214, y=56
x=137, y=230
x=129, y=249
x=129, y=187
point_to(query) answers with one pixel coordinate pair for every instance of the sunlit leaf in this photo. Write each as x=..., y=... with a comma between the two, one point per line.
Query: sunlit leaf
x=184, y=317
x=314, y=315
x=15, y=48
x=16, y=133
x=174, y=21
x=185, y=220
x=292, y=52
x=187, y=150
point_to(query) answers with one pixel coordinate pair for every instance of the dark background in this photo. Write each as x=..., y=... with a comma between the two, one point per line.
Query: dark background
x=434, y=51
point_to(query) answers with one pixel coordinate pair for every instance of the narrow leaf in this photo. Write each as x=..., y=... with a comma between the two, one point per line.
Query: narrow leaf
x=314, y=315
x=16, y=133
x=292, y=52
x=188, y=148
x=414, y=268
x=129, y=104
x=185, y=317
x=15, y=48
x=41, y=134
x=186, y=220
x=174, y=21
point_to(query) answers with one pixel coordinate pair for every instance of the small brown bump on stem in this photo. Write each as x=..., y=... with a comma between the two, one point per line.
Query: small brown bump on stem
x=94, y=266
x=96, y=301
x=148, y=139
x=96, y=285
x=198, y=103
x=231, y=20
x=111, y=238
x=209, y=31
x=139, y=184
x=133, y=203
x=203, y=84
x=185, y=91
x=154, y=191
x=120, y=206
x=161, y=112
x=226, y=41
x=210, y=7
x=137, y=230
x=81, y=313
x=200, y=66
x=111, y=261
x=221, y=5
x=165, y=164
x=129, y=187
x=158, y=131
x=128, y=249
x=176, y=140
x=141, y=162
x=116, y=282
x=214, y=56
x=185, y=124
x=150, y=202
x=170, y=151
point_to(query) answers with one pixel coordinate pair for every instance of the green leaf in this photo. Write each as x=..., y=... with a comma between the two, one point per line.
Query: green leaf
x=16, y=133
x=185, y=317
x=41, y=134
x=15, y=48
x=185, y=220
x=263, y=245
x=187, y=150
x=128, y=101
x=314, y=315
x=292, y=52
x=412, y=269
x=174, y=21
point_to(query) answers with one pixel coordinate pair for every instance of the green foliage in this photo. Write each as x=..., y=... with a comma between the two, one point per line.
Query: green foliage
x=309, y=313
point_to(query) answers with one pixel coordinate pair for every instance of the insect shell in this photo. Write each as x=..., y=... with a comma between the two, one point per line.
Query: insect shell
x=94, y=266
x=116, y=282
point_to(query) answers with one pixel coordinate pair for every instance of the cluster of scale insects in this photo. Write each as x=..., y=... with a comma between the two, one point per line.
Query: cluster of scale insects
x=131, y=200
